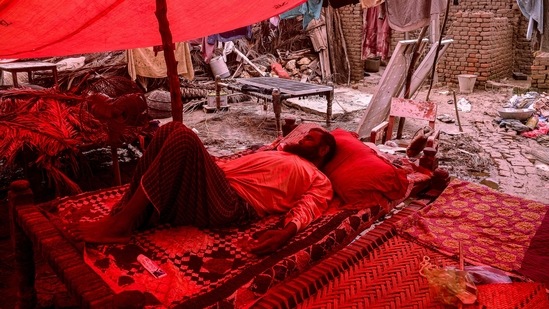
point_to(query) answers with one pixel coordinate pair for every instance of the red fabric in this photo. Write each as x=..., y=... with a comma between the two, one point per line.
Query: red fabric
x=495, y=228
x=183, y=182
x=35, y=29
x=360, y=175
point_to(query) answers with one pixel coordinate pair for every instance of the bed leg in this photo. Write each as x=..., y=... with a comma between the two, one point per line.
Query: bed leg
x=21, y=194
x=277, y=108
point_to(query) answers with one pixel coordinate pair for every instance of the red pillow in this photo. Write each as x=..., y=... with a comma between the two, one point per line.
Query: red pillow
x=360, y=176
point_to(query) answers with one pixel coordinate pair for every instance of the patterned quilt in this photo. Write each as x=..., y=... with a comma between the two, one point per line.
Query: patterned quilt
x=206, y=267
x=494, y=228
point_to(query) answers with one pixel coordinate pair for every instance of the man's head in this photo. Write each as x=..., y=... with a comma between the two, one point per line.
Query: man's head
x=318, y=146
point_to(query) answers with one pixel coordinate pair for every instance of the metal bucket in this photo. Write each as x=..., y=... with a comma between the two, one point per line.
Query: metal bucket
x=219, y=67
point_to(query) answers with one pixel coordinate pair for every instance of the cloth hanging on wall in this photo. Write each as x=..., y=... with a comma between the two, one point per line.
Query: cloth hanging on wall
x=365, y=4
x=147, y=62
x=310, y=10
x=533, y=10
x=336, y=4
x=376, y=33
x=243, y=32
x=405, y=15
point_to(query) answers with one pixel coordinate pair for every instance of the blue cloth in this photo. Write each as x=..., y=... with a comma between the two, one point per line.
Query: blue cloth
x=533, y=10
x=231, y=35
x=310, y=10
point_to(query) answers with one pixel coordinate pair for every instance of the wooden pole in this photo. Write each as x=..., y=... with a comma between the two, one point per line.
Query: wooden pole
x=434, y=68
x=544, y=46
x=457, y=112
x=169, y=56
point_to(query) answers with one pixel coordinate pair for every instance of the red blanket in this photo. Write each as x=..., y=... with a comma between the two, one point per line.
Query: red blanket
x=495, y=228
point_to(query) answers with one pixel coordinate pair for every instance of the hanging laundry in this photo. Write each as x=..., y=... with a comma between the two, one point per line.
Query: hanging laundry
x=533, y=10
x=376, y=33
x=310, y=10
x=336, y=4
x=365, y=4
x=235, y=34
x=405, y=15
x=150, y=62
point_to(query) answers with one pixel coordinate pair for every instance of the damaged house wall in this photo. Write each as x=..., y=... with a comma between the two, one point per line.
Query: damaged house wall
x=351, y=24
x=482, y=46
x=489, y=40
x=503, y=31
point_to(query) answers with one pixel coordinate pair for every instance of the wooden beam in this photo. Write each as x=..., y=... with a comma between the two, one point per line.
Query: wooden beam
x=171, y=63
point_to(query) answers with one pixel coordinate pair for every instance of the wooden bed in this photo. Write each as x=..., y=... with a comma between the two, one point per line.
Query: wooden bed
x=381, y=269
x=206, y=268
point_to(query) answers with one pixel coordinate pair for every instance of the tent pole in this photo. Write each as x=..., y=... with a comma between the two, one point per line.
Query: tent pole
x=169, y=56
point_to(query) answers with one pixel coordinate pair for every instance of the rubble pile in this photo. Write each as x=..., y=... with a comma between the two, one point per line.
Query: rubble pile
x=528, y=115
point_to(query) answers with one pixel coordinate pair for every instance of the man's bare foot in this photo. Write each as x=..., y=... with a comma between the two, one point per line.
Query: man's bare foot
x=105, y=230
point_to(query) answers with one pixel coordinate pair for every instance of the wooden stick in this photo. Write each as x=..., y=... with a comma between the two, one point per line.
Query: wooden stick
x=169, y=57
x=457, y=113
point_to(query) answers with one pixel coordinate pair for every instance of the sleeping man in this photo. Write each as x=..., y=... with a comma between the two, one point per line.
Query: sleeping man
x=177, y=181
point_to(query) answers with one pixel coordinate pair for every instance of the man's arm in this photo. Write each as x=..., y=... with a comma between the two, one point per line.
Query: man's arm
x=309, y=207
x=270, y=240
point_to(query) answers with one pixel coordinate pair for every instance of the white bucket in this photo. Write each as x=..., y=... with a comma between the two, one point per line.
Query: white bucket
x=219, y=67
x=467, y=83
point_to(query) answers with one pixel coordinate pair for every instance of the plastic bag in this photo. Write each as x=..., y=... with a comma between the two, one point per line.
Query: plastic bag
x=487, y=274
x=451, y=286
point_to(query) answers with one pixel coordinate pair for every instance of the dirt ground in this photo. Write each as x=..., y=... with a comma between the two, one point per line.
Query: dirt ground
x=482, y=153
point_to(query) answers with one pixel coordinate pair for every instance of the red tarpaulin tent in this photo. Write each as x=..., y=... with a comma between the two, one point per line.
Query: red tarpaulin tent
x=45, y=28
x=38, y=28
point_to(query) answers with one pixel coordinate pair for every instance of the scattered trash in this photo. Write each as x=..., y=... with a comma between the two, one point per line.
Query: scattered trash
x=514, y=124
x=446, y=118
x=541, y=131
x=463, y=105
x=523, y=101
x=489, y=182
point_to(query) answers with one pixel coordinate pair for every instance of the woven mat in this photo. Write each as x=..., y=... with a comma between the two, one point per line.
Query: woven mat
x=387, y=278
x=205, y=266
x=324, y=273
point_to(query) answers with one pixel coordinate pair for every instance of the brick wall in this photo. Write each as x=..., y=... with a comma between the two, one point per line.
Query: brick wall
x=351, y=21
x=540, y=72
x=482, y=46
x=489, y=40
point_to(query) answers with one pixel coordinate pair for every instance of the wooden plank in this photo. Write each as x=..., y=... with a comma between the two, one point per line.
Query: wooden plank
x=424, y=110
x=380, y=103
x=389, y=86
x=424, y=68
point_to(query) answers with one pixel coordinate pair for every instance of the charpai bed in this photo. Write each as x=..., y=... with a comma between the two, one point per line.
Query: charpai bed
x=205, y=267
x=500, y=233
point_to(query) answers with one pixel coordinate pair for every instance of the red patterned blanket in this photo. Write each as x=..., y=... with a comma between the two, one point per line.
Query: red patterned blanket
x=208, y=267
x=495, y=229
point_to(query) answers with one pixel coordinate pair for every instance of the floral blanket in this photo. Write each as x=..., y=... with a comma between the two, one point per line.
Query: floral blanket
x=494, y=228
